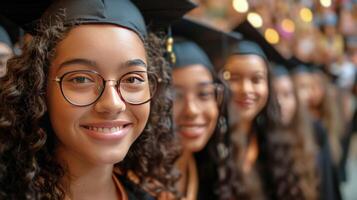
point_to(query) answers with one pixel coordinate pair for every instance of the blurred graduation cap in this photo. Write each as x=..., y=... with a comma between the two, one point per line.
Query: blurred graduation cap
x=124, y=13
x=212, y=43
x=4, y=37
x=258, y=45
x=300, y=67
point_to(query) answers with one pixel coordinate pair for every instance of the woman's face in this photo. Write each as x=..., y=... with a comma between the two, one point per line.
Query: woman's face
x=100, y=133
x=249, y=84
x=195, y=106
x=303, y=84
x=284, y=89
x=318, y=91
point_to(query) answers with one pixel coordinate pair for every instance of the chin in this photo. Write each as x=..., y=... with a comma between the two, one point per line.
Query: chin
x=194, y=147
x=111, y=158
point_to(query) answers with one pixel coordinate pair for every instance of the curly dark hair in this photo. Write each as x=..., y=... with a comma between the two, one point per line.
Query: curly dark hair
x=28, y=167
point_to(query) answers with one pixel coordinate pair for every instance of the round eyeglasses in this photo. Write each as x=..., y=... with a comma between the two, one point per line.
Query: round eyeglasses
x=85, y=87
x=205, y=93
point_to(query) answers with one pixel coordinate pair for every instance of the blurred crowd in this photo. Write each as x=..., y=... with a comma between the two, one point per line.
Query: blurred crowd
x=319, y=33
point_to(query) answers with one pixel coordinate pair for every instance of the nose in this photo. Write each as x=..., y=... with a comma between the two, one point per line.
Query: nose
x=110, y=102
x=242, y=87
x=190, y=107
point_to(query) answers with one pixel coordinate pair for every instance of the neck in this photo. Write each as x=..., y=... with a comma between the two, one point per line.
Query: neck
x=244, y=126
x=182, y=164
x=85, y=180
x=188, y=183
x=315, y=113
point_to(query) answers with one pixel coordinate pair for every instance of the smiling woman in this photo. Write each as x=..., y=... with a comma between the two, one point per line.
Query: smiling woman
x=80, y=110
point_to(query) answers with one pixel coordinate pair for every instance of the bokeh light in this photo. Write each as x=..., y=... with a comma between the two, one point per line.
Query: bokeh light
x=326, y=3
x=306, y=15
x=255, y=19
x=288, y=25
x=241, y=6
x=272, y=36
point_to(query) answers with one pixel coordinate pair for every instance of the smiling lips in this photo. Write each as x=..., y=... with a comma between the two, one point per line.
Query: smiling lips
x=245, y=102
x=107, y=130
x=192, y=130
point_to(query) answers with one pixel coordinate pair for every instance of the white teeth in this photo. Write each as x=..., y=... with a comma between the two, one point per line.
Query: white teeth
x=104, y=129
x=191, y=128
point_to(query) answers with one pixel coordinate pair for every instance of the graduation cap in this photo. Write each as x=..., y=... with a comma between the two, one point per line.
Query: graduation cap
x=188, y=52
x=5, y=38
x=123, y=13
x=256, y=44
x=201, y=43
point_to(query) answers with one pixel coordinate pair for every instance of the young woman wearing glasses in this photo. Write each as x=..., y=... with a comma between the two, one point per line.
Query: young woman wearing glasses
x=78, y=115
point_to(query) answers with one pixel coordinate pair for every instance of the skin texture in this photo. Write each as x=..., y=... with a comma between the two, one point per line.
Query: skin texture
x=195, y=108
x=249, y=84
x=87, y=156
x=318, y=91
x=5, y=54
x=284, y=89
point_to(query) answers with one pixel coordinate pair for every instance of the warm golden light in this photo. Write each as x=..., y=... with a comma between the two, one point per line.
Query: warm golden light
x=326, y=3
x=288, y=25
x=306, y=15
x=241, y=6
x=255, y=19
x=271, y=36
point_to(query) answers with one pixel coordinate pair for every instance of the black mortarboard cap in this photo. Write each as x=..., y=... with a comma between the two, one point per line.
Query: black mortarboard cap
x=189, y=53
x=248, y=47
x=279, y=70
x=4, y=37
x=124, y=13
x=252, y=34
x=212, y=42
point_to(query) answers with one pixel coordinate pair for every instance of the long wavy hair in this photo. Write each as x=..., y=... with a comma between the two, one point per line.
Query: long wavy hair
x=330, y=115
x=28, y=167
x=279, y=171
x=294, y=157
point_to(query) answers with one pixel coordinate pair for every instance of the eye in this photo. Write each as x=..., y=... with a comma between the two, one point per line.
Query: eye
x=257, y=79
x=133, y=79
x=206, y=93
x=81, y=79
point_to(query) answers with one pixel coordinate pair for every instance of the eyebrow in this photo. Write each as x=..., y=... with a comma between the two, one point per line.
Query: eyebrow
x=198, y=85
x=80, y=61
x=135, y=62
x=90, y=63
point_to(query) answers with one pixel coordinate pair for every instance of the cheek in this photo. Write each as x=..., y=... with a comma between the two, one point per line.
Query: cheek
x=141, y=114
x=175, y=112
x=62, y=114
x=212, y=116
x=263, y=93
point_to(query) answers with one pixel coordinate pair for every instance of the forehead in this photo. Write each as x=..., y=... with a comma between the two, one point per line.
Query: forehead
x=100, y=41
x=246, y=63
x=191, y=75
x=4, y=48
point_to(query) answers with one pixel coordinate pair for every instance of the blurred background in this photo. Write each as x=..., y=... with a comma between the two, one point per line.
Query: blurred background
x=323, y=32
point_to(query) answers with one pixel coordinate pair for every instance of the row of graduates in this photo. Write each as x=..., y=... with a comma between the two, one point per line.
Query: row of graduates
x=99, y=107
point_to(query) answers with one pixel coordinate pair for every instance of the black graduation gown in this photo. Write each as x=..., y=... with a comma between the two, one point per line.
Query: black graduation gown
x=329, y=184
x=133, y=191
